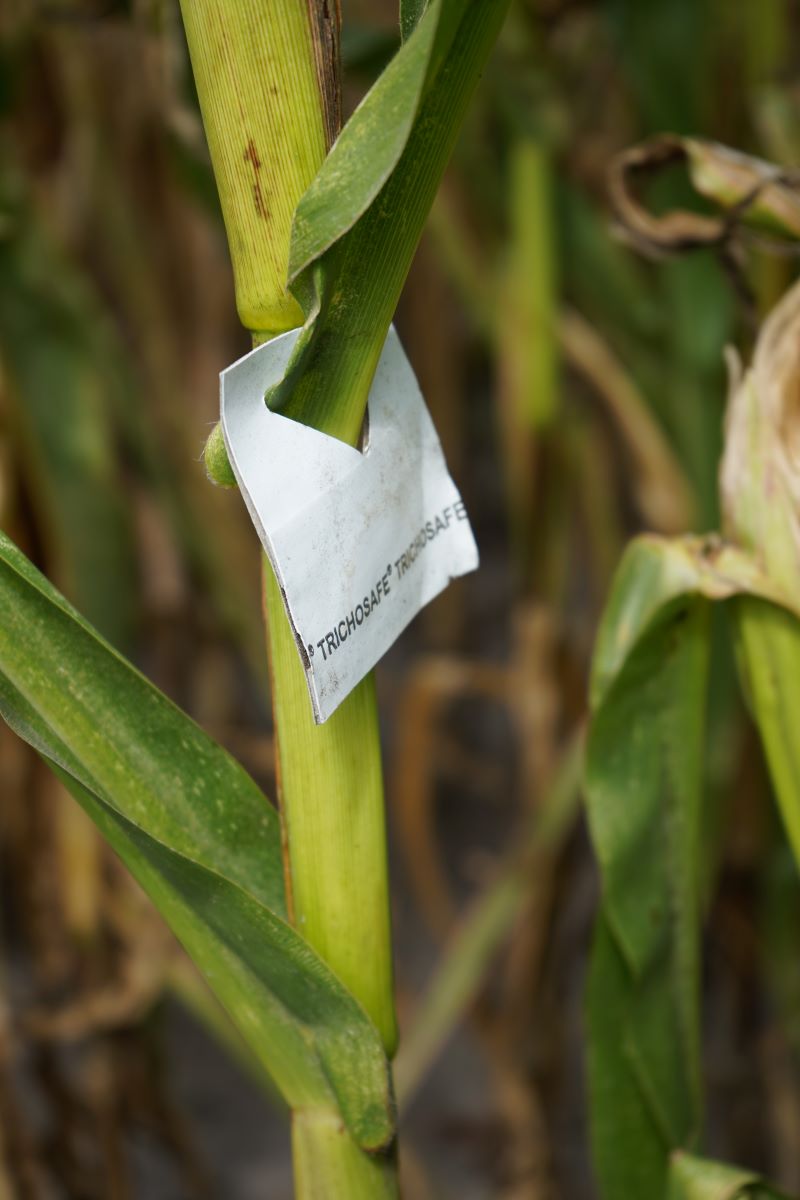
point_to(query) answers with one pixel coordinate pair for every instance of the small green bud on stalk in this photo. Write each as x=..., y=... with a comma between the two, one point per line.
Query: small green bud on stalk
x=215, y=458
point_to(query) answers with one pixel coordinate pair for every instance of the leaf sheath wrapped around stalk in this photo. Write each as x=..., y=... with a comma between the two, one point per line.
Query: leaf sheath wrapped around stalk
x=760, y=484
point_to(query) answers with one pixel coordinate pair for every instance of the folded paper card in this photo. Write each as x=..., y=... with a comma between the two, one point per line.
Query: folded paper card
x=359, y=541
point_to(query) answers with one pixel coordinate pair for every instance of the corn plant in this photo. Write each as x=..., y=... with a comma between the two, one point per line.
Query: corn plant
x=644, y=759
x=287, y=917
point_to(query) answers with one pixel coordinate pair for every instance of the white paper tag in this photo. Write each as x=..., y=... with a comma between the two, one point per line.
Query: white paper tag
x=359, y=542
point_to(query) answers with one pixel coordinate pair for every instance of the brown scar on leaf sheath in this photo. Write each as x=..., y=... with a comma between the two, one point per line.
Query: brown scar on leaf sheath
x=258, y=200
x=325, y=17
x=252, y=156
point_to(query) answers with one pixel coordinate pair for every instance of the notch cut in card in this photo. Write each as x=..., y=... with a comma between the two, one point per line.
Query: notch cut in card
x=359, y=542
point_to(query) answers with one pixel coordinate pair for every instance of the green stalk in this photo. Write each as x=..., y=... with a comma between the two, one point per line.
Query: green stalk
x=528, y=366
x=329, y=1166
x=265, y=112
x=528, y=331
x=331, y=791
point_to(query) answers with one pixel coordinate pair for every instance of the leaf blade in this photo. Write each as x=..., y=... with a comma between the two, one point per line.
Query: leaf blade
x=201, y=838
x=643, y=764
x=367, y=150
x=643, y=801
x=348, y=273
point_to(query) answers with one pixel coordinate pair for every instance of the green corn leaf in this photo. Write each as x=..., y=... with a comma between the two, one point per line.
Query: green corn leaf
x=643, y=798
x=370, y=146
x=768, y=640
x=357, y=226
x=643, y=779
x=410, y=13
x=700, y=1179
x=201, y=839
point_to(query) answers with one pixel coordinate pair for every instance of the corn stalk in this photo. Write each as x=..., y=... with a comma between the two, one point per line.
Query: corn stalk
x=263, y=97
x=344, y=236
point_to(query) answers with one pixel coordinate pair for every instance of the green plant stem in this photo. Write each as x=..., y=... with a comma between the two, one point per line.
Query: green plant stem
x=254, y=64
x=528, y=325
x=329, y=1166
x=332, y=803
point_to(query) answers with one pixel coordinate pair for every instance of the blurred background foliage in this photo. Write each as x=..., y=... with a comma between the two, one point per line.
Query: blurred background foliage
x=579, y=390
